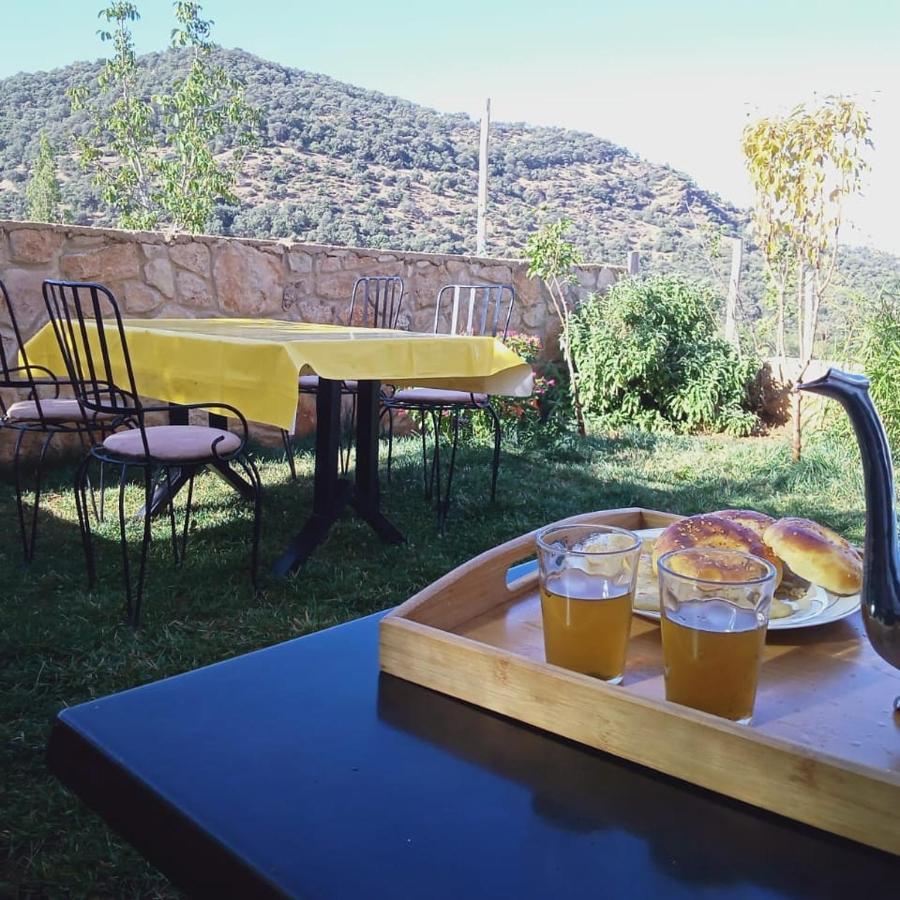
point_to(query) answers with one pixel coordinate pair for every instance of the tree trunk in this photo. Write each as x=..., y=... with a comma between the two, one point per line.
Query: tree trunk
x=780, y=351
x=573, y=375
x=796, y=434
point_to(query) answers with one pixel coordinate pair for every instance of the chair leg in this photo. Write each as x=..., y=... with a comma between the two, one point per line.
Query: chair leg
x=187, y=514
x=288, y=440
x=444, y=503
x=167, y=474
x=84, y=522
x=145, y=546
x=28, y=526
x=495, y=462
x=252, y=473
x=345, y=452
x=386, y=410
x=432, y=478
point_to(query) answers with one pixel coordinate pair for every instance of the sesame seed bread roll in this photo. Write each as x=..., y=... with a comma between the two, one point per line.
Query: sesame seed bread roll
x=708, y=530
x=757, y=522
x=817, y=554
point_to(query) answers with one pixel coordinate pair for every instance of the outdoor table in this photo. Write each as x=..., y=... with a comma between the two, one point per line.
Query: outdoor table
x=253, y=365
x=299, y=771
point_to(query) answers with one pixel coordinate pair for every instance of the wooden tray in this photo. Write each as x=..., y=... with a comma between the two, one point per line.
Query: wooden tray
x=824, y=746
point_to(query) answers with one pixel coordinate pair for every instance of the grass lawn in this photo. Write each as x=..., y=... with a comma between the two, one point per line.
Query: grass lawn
x=61, y=644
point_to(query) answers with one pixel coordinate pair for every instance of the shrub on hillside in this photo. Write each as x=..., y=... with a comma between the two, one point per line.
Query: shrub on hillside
x=648, y=354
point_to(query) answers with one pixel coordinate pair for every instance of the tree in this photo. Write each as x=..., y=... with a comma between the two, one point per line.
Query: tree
x=803, y=167
x=164, y=169
x=43, y=194
x=551, y=258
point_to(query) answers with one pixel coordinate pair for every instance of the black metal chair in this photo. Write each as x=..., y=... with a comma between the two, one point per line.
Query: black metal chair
x=45, y=415
x=376, y=302
x=91, y=337
x=471, y=309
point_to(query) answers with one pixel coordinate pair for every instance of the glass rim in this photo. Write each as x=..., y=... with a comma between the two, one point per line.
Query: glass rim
x=597, y=528
x=771, y=571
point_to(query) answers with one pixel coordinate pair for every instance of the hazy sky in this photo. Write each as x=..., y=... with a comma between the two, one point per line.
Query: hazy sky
x=673, y=80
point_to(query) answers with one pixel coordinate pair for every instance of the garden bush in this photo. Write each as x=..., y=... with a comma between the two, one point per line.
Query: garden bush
x=881, y=363
x=648, y=354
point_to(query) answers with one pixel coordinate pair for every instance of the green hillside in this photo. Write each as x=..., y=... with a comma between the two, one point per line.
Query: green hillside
x=341, y=164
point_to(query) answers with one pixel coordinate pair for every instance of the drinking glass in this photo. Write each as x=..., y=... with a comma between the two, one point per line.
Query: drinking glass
x=587, y=575
x=715, y=610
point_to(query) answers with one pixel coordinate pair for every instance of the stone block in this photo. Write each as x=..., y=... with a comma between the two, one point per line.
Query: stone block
x=336, y=286
x=24, y=289
x=299, y=262
x=248, y=282
x=114, y=262
x=194, y=292
x=138, y=297
x=155, y=251
x=193, y=256
x=331, y=264
x=158, y=273
x=31, y=245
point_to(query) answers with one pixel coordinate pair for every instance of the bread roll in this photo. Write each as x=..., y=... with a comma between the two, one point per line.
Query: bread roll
x=757, y=522
x=708, y=530
x=817, y=554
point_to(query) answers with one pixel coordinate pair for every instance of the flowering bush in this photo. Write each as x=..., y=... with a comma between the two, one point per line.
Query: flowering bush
x=544, y=414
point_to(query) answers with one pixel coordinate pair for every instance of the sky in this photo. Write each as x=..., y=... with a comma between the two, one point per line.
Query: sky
x=672, y=80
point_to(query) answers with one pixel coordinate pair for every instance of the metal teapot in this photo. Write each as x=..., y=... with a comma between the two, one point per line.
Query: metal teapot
x=881, y=560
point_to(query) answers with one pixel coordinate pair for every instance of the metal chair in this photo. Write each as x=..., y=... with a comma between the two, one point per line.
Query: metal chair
x=470, y=309
x=91, y=337
x=376, y=302
x=48, y=416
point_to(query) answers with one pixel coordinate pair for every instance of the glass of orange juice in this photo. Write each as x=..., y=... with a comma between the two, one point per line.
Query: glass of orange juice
x=587, y=576
x=715, y=610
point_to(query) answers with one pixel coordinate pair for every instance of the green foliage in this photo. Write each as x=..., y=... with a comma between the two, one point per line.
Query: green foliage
x=43, y=193
x=165, y=168
x=648, y=355
x=551, y=257
x=881, y=362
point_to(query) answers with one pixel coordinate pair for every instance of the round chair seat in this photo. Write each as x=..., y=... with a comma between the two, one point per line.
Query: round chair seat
x=174, y=443
x=56, y=411
x=436, y=397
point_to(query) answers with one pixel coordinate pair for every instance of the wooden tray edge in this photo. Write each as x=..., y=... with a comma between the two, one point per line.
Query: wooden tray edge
x=697, y=748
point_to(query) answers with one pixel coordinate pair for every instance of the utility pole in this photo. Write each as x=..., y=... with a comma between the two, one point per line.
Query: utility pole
x=481, y=228
x=734, y=285
x=634, y=263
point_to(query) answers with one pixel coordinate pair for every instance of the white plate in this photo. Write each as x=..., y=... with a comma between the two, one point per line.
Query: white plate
x=823, y=607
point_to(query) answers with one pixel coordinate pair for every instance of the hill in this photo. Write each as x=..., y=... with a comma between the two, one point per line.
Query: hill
x=341, y=164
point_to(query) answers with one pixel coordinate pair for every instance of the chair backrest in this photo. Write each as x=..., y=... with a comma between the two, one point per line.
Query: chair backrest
x=479, y=309
x=12, y=374
x=91, y=338
x=376, y=301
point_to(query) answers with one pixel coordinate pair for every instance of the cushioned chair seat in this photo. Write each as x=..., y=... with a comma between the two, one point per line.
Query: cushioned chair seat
x=53, y=411
x=186, y=443
x=311, y=383
x=436, y=397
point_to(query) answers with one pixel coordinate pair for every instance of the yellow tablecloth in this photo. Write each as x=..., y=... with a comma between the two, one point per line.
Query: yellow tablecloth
x=253, y=364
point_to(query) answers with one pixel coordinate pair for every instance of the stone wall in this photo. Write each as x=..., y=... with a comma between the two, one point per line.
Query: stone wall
x=157, y=275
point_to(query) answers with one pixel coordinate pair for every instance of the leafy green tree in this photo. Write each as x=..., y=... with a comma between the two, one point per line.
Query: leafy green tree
x=803, y=167
x=551, y=258
x=43, y=194
x=164, y=169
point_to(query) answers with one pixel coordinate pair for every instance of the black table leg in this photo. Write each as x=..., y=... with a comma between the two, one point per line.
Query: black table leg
x=366, y=498
x=330, y=494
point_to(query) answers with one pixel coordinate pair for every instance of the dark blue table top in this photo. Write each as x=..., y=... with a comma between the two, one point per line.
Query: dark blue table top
x=308, y=773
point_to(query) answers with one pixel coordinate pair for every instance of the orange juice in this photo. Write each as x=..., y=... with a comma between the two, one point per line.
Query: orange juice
x=586, y=623
x=708, y=667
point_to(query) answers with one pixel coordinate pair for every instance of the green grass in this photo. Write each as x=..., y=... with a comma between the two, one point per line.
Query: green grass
x=61, y=644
